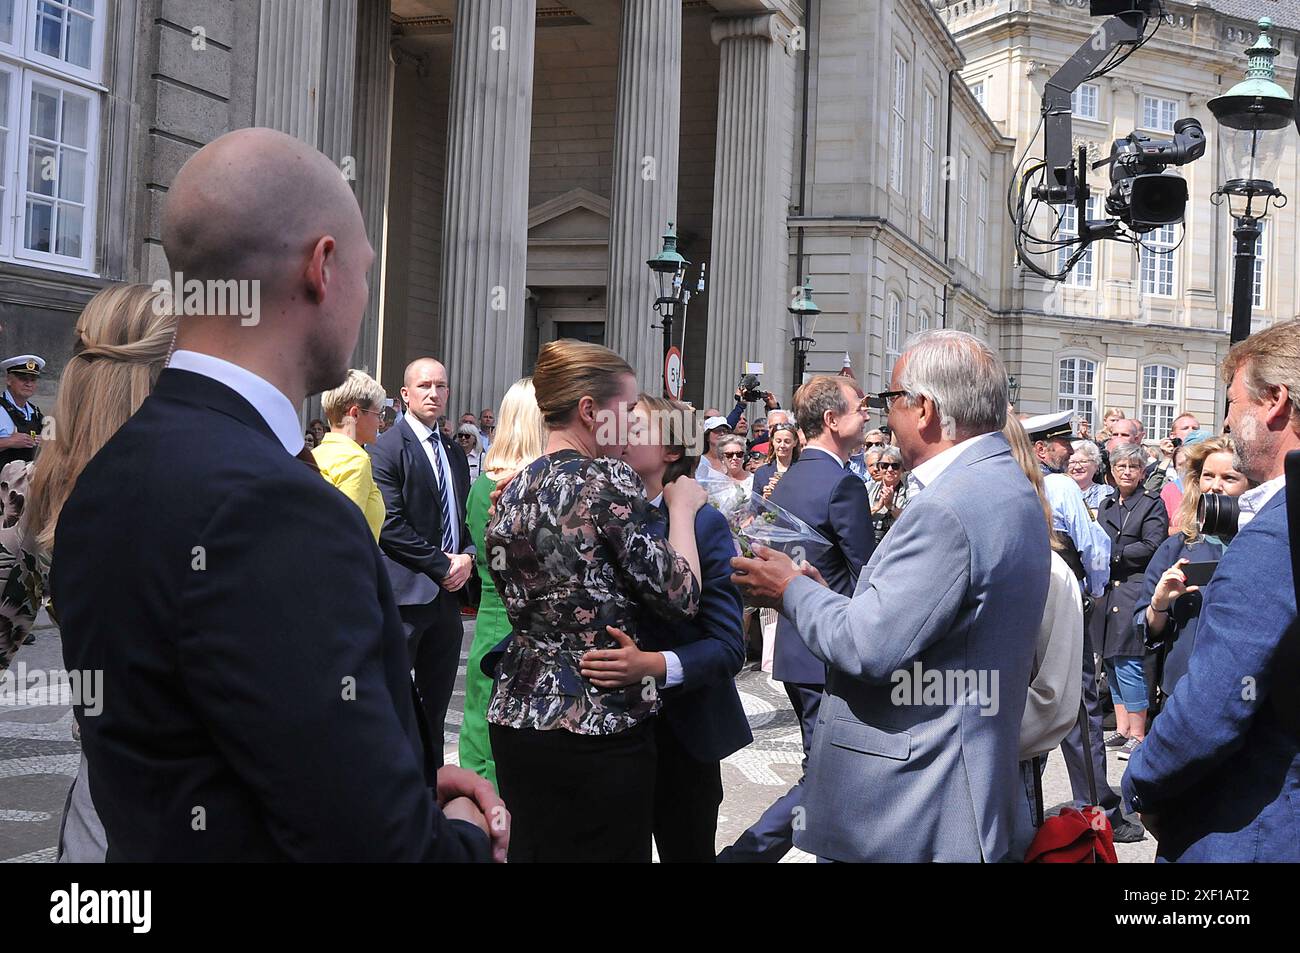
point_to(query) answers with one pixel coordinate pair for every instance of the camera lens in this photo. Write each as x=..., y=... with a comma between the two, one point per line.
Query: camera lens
x=1217, y=514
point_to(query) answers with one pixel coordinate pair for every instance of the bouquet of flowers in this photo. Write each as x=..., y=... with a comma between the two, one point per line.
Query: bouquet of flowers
x=755, y=520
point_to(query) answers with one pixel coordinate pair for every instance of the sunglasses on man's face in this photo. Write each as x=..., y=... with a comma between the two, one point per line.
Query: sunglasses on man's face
x=883, y=400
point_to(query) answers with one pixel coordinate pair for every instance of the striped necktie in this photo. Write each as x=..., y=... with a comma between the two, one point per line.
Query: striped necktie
x=444, y=498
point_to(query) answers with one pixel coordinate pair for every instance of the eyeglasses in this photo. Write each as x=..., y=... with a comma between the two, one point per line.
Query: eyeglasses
x=888, y=466
x=1127, y=466
x=883, y=400
x=377, y=413
x=734, y=454
x=464, y=436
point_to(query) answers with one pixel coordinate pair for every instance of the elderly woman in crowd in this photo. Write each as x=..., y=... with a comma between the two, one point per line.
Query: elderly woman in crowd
x=1137, y=525
x=470, y=440
x=888, y=495
x=1168, y=609
x=1082, y=468
x=574, y=557
x=732, y=451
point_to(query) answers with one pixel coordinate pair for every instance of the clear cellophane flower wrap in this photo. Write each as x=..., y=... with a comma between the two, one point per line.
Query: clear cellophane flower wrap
x=756, y=521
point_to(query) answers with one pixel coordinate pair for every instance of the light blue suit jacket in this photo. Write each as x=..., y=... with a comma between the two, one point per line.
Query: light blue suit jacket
x=957, y=588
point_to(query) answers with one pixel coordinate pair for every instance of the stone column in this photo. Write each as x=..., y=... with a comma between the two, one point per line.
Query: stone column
x=644, y=199
x=485, y=215
x=306, y=63
x=371, y=112
x=749, y=287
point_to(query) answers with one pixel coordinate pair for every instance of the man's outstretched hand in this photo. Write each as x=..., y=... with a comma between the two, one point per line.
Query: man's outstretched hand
x=762, y=580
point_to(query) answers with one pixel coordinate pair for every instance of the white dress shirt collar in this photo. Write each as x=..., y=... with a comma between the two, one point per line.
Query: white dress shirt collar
x=1252, y=501
x=926, y=473
x=269, y=402
x=422, y=433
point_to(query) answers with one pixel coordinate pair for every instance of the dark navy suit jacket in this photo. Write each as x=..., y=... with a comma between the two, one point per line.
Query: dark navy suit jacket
x=1218, y=767
x=704, y=711
x=833, y=501
x=256, y=684
x=411, y=537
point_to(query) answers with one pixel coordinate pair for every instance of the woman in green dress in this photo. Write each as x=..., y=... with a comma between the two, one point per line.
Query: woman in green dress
x=520, y=439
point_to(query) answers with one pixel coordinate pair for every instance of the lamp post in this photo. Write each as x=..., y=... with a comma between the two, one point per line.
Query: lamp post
x=1254, y=116
x=1013, y=390
x=670, y=268
x=805, y=311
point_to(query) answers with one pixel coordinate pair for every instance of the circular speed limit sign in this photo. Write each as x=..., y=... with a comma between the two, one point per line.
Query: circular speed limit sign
x=673, y=373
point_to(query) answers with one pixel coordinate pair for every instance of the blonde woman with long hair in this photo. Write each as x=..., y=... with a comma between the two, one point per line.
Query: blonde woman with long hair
x=520, y=439
x=123, y=338
x=121, y=345
x=1168, y=609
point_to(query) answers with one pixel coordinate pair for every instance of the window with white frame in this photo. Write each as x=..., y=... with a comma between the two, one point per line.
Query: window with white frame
x=898, y=123
x=1081, y=275
x=1076, y=388
x=7, y=24
x=49, y=130
x=893, y=332
x=963, y=203
x=927, y=156
x=10, y=93
x=1159, y=399
x=981, y=223
x=1158, y=262
x=977, y=90
x=1083, y=101
x=924, y=322
x=1159, y=114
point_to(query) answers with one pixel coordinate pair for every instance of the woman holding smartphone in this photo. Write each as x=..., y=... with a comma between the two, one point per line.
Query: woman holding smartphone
x=1169, y=607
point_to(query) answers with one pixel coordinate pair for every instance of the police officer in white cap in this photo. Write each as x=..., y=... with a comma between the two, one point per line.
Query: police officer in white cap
x=20, y=420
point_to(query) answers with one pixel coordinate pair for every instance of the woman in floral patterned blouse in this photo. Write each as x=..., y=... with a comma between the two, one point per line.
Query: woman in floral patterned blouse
x=572, y=556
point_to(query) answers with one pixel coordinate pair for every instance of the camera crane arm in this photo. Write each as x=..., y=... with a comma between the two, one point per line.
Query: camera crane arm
x=1062, y=184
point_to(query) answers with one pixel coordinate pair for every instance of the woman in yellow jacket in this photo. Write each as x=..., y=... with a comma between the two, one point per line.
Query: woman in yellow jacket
x=353, y=410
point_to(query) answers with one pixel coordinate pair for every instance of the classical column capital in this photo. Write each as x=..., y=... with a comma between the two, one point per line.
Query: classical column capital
x=764, y=26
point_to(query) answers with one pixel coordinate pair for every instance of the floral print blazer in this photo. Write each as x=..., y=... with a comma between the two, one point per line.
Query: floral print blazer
x=570, y=550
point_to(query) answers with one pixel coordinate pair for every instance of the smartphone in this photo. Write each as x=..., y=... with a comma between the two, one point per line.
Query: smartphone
x=1198, y=574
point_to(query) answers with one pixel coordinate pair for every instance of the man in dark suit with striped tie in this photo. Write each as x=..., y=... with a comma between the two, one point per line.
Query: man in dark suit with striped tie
x=424, y=479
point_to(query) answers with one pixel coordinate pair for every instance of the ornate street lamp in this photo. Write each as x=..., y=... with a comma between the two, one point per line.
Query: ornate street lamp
x=1254, y=117
x=1013, y=390
x=805, y=311
x=669, y=268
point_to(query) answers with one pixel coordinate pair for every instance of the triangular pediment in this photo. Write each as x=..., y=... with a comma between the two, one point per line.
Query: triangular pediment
x=576, y=215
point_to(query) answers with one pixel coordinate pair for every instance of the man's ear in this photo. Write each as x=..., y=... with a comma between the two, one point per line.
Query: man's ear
x=1277, y=407
x=319, y=268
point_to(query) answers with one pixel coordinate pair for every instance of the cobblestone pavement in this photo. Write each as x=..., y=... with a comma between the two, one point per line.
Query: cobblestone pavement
x=39, y=756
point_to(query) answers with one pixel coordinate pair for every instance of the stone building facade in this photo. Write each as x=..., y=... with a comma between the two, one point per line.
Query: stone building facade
x=1142, y=331
x=518, y=160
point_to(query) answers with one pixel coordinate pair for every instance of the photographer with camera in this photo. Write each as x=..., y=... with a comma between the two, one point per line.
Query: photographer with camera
x=1215, y=778
x=1167, y=611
